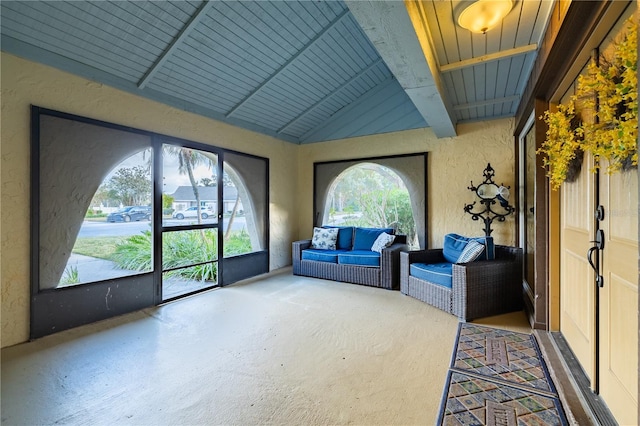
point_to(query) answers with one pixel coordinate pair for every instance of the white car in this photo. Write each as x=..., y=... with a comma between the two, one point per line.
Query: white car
x=193, y=212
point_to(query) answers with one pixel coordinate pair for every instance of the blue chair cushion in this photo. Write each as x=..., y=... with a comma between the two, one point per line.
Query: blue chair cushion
x=329, y=256
x=360, y=258
x=436, y=273
x=345, y=237
x=454, y=245
x=365, y=237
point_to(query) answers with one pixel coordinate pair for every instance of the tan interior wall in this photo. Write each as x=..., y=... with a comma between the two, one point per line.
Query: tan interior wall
x=452, y=164
x=25, y=83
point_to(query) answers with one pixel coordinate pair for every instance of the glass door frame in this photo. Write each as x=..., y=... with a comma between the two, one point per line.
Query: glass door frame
x=522, y=195
x=160, y=229
x=529, y=288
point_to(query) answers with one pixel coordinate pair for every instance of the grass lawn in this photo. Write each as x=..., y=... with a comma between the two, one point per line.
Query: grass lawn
x=100, y=247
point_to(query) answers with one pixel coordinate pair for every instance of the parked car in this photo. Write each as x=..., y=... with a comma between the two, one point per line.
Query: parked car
x=205, y=212
x=129, y=213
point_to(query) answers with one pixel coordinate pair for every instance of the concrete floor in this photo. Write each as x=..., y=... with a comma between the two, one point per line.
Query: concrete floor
x=281, y=349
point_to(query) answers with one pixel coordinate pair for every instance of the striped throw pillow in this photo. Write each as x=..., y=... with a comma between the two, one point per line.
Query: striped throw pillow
x=471, y=252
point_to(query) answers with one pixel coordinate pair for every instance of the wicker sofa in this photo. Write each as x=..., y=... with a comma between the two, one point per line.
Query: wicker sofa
x=478, y=289
x=386, y=275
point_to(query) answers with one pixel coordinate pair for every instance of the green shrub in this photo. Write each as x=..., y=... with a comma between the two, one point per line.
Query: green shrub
x=181, y=248
x=70, y=276
x=134, y=253
x=237, y=243
x=188, y=248
x=97, y=213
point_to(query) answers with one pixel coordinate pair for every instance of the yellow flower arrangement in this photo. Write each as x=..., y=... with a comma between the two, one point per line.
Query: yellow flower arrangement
x=614, y=86
x=562, y=144
x=611, y=91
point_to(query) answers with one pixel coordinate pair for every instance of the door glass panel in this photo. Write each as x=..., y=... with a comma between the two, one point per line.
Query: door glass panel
x=244, y=204
x=529, y=203
x=189, y=261
x=189, y=193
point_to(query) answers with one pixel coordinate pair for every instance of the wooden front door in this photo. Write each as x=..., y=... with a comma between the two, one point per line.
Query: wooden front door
x=600, y=324
x=618, y=349
x=577, y=289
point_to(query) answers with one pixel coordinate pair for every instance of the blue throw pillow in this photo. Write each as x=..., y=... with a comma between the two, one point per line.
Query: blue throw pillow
x=345, y=236
x=489, y=248
x=455, y=244
x=453, y=247
x=365, y=237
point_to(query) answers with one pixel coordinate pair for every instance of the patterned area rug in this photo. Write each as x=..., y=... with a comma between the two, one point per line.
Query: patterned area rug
x=498, y=377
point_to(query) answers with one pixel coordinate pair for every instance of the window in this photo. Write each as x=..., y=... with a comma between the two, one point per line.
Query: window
x=120, y=209
x=245, y=204
x=124, y=219
x=380, y=191
x=371, y=195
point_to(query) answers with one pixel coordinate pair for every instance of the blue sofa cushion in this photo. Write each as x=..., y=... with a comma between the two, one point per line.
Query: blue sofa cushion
x=360, y=258
x=345, y=236
x=329, y=256
x=455, y=244
x=365, y=237
x=436, y=273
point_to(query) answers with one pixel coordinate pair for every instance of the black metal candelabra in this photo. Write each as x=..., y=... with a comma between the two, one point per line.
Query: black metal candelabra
x=491, y=196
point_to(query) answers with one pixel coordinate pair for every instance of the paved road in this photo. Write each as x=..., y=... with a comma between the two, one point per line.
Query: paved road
x=105, y=229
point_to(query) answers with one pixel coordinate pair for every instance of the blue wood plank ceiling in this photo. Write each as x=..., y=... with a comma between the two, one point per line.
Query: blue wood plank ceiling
x=300, y=71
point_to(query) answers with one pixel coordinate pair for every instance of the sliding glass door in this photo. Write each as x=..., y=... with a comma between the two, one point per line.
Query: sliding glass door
x=189, y=220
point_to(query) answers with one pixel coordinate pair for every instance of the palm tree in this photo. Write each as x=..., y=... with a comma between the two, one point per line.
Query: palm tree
x=187, y=160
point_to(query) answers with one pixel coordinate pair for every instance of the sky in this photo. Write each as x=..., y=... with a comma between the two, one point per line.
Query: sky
x=172, y=178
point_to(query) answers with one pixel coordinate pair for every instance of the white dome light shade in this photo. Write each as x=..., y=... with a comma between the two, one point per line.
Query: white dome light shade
x=480, y=16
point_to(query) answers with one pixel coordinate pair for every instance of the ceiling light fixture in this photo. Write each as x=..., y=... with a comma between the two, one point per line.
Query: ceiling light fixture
x=479, y=16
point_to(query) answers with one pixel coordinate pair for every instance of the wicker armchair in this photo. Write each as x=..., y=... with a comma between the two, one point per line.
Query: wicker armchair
x=479, y=289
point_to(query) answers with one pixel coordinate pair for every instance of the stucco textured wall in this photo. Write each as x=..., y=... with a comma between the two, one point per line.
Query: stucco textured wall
x=25, y=83
x=452, y=164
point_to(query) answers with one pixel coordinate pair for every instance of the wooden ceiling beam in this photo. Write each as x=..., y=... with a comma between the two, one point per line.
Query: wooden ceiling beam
x=400, y=33
x=516, y=51
x=486, y=103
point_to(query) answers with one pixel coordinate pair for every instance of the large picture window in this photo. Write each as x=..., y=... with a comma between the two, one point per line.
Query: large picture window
x=88, y=175
x=374, y=192
x=123, y=219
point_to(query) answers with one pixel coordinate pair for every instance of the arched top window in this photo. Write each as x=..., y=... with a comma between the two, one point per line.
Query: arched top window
x=370, y=195
x=374, y=192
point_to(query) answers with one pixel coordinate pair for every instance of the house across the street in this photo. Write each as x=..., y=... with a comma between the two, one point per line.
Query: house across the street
x=183, y=198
